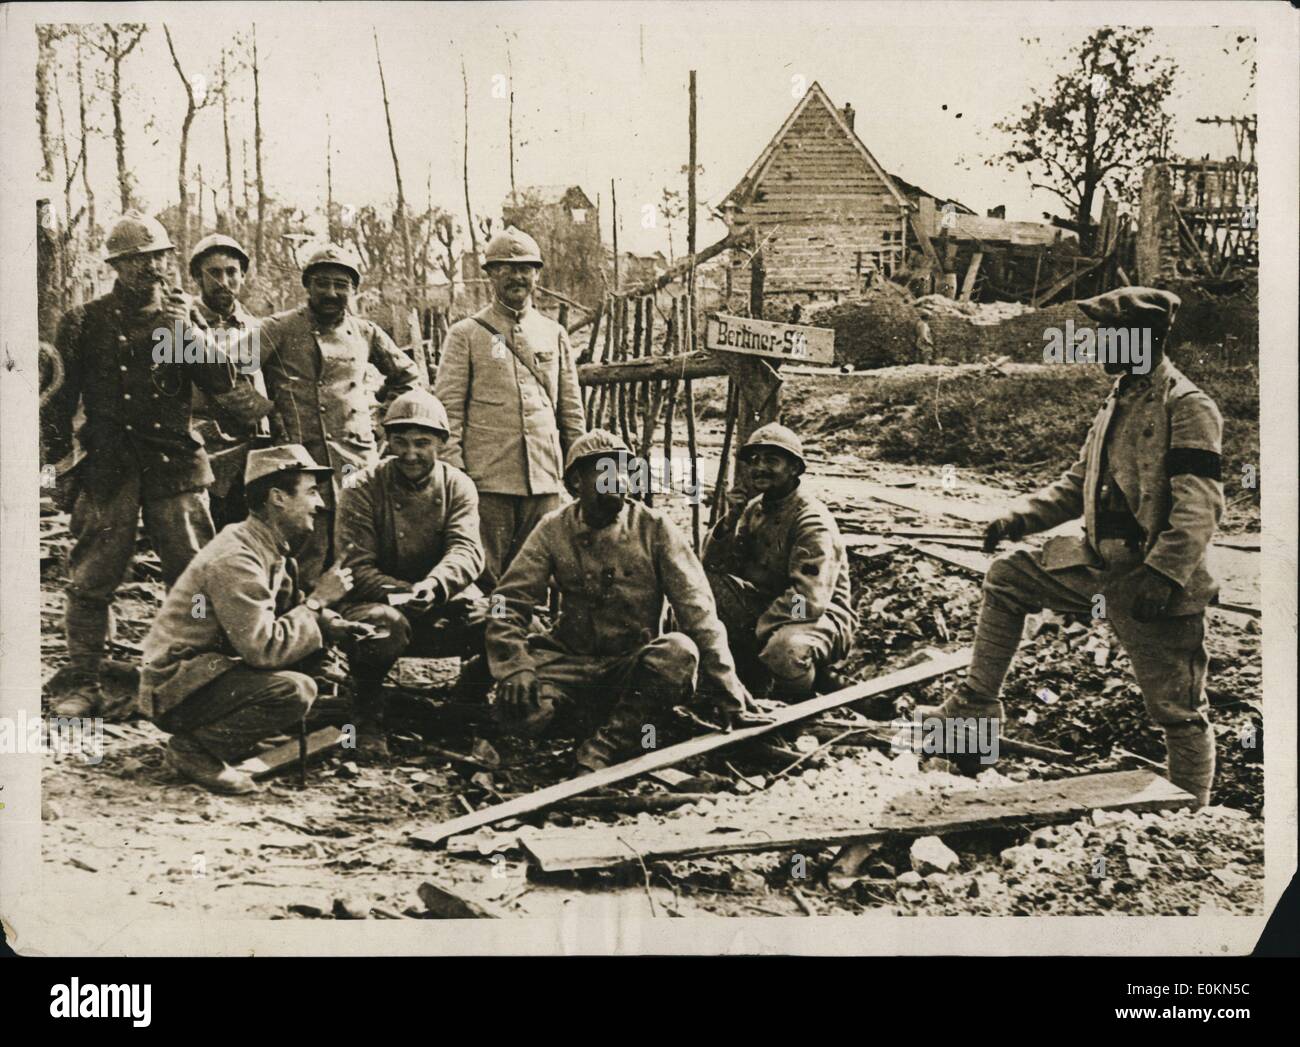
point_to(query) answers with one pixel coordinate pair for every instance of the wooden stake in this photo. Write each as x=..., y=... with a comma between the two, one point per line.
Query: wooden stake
x=694, y=452
x=729, y=428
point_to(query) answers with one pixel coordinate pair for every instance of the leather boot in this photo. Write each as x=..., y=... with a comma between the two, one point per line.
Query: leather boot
x=965, y=704
x=186, y=757
x=369, y=720
x=1191, y=758
x=80, y=693
x=619, y=738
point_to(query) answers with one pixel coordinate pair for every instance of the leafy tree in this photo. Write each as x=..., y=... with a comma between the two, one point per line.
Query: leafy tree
x=1097, y=125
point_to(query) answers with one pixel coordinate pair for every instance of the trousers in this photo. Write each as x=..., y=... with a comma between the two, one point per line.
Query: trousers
x=453, y=629
x=505, y=520
x=104, y=528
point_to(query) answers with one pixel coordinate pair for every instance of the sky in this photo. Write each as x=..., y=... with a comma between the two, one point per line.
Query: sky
x=601, y=93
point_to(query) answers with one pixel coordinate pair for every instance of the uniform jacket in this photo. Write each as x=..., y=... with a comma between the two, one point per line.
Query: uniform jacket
x=251, y=612
x=1166, y=460
x=317, y=378
x=227, y=438
x=137, y=410
x=612, y=585
x=392, y=533
x=509, y=435
x=792, y=552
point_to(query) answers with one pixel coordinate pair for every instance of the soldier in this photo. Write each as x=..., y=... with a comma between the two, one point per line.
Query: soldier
x=510, y=386
x=780, y=575
x=1148, y=485
x=408, y=529
x=132, y=359
x=314, y=362
x=227, y=661
x=613, y=562
x=218, y=264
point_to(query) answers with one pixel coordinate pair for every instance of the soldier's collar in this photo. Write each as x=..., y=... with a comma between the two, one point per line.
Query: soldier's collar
x=266, y=533
x=238, y=314
x=514, y=314
x=772, y=501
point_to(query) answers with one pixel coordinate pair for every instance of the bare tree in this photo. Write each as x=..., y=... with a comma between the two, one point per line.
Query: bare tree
x=197, y=96
x=259, y=243
x=115, y=42
x=84, y=125
x=402, y=223
x=45, y=62
x=469, y=211
x=510, y=125
x=329, y=181
x=225, y=138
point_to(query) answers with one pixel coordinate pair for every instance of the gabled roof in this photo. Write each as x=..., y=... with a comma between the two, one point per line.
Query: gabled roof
x=814, y=95
x=572, y=195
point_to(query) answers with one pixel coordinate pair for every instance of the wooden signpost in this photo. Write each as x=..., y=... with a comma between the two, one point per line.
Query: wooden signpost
x=743, y=334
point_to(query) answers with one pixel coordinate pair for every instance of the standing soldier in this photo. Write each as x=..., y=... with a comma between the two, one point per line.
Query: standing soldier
x=606, y=664
x=132, y=358
x=781, y=579
x=510, y=386
x=314, y=362
x=1148, y=485
x=218, y=264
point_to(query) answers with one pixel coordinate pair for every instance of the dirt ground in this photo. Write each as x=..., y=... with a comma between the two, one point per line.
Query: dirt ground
x=126, y=829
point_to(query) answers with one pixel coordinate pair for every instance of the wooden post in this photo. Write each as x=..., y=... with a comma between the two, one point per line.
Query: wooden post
x=624, y=388
x=693, y=450
x=1038, y=264
x=613, y=204
x=724, y=463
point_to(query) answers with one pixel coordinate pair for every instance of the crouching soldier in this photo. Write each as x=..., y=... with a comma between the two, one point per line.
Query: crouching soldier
x=781, y=576
x=1148, y=485
x=606, y=662
x=226, y=661
x=408, y=530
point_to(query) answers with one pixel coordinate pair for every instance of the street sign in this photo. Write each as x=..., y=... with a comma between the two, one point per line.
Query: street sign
x=742, y=334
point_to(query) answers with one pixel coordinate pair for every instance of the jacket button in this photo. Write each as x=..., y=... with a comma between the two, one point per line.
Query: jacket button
x=122, y=367
x=126, y=396
x=128, y=428
x=165, y=458
x=157, y=425
x=121, y=339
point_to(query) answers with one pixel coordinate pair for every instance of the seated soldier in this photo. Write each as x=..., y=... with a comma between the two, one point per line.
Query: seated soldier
x=408, y=530
x=605, y=664
x=780, y=576
x=226, y=660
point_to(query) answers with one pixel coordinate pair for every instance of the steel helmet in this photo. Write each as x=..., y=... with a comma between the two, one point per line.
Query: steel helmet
x=774, y=435
x=136, y=233
x=216, y=242
x=512, y=245
x=418, y=407
x=333, y=254
x=592, y=445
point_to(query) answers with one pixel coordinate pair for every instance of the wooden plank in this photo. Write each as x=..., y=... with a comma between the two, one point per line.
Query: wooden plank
x=968, y=284
x=923, y=813
x=286, y=755
x=675, y=754
x=447, y=905
x=743, y=334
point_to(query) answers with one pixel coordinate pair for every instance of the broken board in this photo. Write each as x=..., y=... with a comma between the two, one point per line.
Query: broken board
x=674, y=754
x=286, y=755
x=923, y=813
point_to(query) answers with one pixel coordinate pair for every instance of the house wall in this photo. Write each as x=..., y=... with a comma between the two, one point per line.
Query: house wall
x=821, y=203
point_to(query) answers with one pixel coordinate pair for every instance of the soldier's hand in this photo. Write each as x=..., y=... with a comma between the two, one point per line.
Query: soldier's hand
x=1152, y=592
x=426, y=594
x=519, y=692
x=1010, y=528
x=175, y=306
x=333, y=584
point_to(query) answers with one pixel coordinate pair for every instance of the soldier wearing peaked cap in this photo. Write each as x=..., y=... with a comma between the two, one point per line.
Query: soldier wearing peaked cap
x=219, y=264
x=606, y=668
x=510, y=385
x=229, y=659
x=780, y=575
x=133, y=359
x=408, y=530
x=1149, y=488
x=314, y=362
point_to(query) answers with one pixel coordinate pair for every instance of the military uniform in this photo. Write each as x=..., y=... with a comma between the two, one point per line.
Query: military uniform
x=316, y=376
x=227, y=439
x=606, y=657
x=781, y=581
x=510, y=386
x=135, y=451
x=393, y=533
x=1147, y=483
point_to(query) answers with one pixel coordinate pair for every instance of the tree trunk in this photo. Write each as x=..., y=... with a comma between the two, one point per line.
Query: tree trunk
x=85, y=147
x=44, y=70
x=258, y=241
x=229, y=223
x=469, y=211
x=183, y=209
x=408, y=257
x=119, y=138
